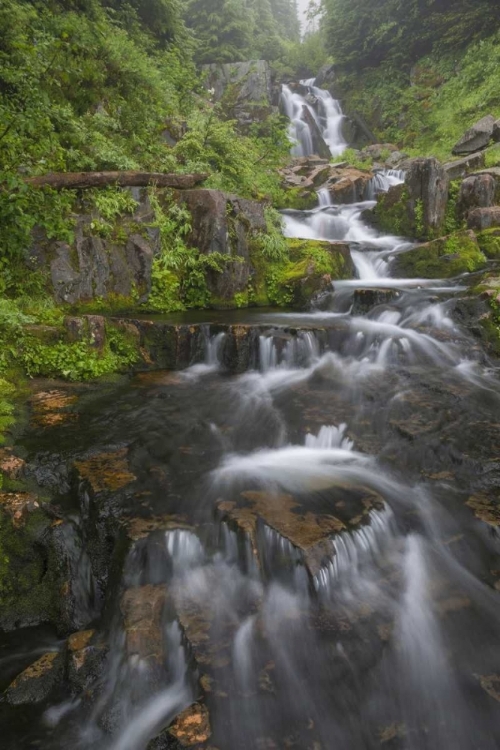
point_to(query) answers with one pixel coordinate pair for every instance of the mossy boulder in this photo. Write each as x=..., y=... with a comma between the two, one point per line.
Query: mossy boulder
x=311, y=268
x=489, y=242
x=442, y=258
x=300, y=199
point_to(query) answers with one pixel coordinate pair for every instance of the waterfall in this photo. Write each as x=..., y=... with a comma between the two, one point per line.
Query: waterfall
x=316, y=113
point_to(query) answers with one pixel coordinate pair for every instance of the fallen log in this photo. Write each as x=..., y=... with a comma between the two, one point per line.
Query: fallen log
x=130, y=178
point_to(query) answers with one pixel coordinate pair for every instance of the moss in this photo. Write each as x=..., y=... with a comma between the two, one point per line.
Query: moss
x=489, y=243
x=27, y=577
x=299, y=199
x=442, y=258
x=391, y=214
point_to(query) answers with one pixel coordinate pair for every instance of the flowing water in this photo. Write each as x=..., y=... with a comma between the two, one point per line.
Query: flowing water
x=327, y=586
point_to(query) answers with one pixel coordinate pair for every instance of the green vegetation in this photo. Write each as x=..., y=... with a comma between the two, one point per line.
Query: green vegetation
x=443, y=258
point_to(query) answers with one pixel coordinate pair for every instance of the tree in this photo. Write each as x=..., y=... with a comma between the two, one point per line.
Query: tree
x=223, y=29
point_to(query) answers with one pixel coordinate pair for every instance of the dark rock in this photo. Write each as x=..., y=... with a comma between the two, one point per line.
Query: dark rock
x=75, y=328
x=325, y=77
x=476, y=138
x=85, y=659
x=427, y=186
x=319, y=145
x=225, y=224
x=365, y=299
x=348, y=185
x=242, y=88
x=496, y=131
x=461, y=167
x=477, y=191
x=356, y=131
x=38, y=681
x=484, y=218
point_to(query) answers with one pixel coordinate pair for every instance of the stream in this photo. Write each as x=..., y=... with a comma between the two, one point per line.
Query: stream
x=326, y=584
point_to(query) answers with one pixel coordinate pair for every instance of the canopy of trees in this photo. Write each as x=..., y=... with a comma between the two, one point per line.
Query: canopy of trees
x=363, y=33
x=232, y=30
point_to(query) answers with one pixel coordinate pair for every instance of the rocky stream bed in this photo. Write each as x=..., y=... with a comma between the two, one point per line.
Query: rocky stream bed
x=281, y=533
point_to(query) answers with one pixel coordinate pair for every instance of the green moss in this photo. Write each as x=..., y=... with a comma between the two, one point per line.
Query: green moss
x=299, y=199
x=27, y=578
x=442, y=258
x=489, y=242
x=391, y=214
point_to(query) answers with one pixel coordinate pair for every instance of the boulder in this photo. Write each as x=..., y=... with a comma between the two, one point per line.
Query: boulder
x=94, y=267
x=325, y=77
x=38, y=681
x=356, y=131
x=476, y=191
x=224, y=224
x=476, y=138
x=242, y=88
x=442, y=258
x=461, y=167
x=416, y=208
x=427, y=185
x=484, y=218
x=489, y=242
x=85, y=659
x=347, y=185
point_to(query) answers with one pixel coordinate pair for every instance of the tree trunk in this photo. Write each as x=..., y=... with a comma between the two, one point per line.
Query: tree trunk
x=84, y=180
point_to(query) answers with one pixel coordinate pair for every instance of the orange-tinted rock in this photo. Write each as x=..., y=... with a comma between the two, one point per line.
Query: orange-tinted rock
x=106, y=471
x=10, y=465
x=192, y=726
x=485, y=509
x=491, y=683
x=37, y=681
x=52, y=407
x=142, y=611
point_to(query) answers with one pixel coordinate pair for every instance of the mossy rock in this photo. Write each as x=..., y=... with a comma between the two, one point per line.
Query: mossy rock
x=442, y=258
x=489, y=243
x=391, y=213
x=311, y=267
x=300, y=199
x=28, y=587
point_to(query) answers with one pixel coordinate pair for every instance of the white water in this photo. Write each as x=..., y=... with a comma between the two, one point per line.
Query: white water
x=324, y=110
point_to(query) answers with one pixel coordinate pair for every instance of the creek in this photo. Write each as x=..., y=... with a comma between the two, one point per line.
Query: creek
x=308, y=524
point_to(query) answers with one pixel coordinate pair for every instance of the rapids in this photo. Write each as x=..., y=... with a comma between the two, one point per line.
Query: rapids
x=327, y=586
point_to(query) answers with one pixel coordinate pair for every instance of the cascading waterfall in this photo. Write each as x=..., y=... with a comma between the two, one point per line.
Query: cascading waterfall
x=324, y=583
x=317, y=108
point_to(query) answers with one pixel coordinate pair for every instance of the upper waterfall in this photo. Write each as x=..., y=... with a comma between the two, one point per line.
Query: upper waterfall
x=315, y=116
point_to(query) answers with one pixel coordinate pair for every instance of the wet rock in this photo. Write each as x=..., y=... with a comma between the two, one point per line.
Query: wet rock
x=244, y=90
x=225, y=224
x=491, y=684
x=191, y=727
x=11, y=466
x=38, y=681
x=365, y=299
x=85, y=656
x=142, y=611
x=484, y=218
x=52, y=407
x=476, y=191
x=485, y=508
x=356, y=131
x=443, y=258
x=348, y=185
x=319, y=145
x=106, y=471
x=379, y=151
x=476, y=138
x=238, y=349
x=462, y=167
x=311, y=534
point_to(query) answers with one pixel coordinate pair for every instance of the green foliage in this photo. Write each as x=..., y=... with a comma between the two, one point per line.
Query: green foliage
x=351, y=156
x=7, y=392
x=492, y=156
x=443, y=258
x=272, y=245
x=362, y=33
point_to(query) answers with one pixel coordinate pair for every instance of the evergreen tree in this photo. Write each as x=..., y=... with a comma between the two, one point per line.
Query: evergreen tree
x=223, y=29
